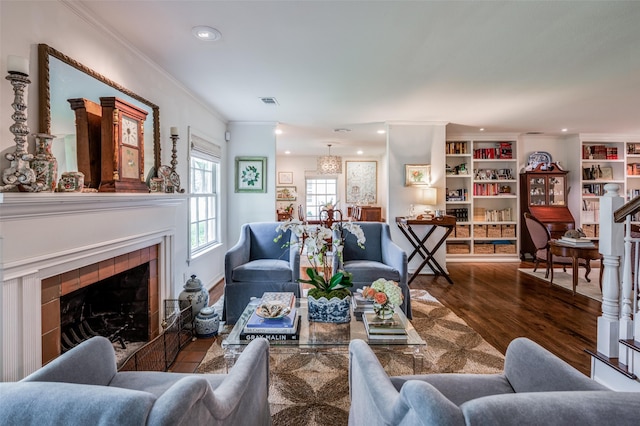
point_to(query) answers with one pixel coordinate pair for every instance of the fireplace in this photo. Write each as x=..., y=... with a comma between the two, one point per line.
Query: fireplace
x=117, y=298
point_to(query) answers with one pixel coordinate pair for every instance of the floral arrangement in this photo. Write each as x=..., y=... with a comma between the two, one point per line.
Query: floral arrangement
x=318, y=241
x=385, y=295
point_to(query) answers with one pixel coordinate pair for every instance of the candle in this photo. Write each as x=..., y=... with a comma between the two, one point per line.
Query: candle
x=174, y=131
x=17, y=64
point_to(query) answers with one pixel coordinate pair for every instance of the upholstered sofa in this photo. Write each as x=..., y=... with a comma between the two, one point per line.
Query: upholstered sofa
x=536, y=388
x=82, y=387
x=380, y=258
x=257, y=264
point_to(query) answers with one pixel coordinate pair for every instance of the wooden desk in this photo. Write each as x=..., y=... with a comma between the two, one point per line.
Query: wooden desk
x=576, y=253
x=419, y=244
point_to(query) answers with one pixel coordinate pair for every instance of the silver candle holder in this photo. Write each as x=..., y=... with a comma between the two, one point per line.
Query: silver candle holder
x=19, y=175
x=175, y=178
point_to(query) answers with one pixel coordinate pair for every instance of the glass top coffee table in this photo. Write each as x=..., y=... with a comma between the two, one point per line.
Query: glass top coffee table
x=318, y=337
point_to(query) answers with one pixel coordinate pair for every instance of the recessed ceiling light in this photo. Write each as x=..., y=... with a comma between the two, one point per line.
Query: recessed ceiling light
x=278, y=131
x=342, y=130
x=202, y=32
x=287, y=152
x=482, y=129
x=381, y=132
x=565, y=130
x=360, y=152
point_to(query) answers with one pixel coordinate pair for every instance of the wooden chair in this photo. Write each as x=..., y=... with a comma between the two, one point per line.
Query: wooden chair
x=541, y=236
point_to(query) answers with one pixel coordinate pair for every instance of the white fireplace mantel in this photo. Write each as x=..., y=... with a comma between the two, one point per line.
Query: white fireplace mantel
x=44, y=234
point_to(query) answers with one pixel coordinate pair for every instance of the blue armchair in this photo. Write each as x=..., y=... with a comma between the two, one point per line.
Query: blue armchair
x=257, y=264
x=536, y=388
x=380, y=258
x=82, y=387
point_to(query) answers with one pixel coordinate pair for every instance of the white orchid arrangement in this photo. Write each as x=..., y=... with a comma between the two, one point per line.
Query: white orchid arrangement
x=317, y=241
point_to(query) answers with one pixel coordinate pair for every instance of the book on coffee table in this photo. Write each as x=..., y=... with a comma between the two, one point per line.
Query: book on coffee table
x=273, y=334
x=390, y=327
x=284, y=325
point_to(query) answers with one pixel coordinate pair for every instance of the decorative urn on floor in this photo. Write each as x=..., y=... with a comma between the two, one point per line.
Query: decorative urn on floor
x=194, y=294
x=207, y=322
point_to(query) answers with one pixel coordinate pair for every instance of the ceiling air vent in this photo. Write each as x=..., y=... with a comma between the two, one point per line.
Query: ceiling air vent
x=269, y=101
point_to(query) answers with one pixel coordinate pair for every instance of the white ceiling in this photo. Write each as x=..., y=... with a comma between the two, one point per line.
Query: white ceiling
x=504, y=66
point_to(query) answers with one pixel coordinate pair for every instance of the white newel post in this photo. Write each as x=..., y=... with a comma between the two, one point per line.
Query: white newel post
x=626, y=307
x=611, y=248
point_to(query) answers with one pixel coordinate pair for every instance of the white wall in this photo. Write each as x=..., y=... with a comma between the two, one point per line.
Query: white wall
x=414, y=143
x=25, y=24
x=250, y=140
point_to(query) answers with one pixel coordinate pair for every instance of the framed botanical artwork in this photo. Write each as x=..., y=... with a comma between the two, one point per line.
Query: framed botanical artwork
x=286, y=193
x=361, y=182
x=251, y=174
x=285, y=178
x=417, y=174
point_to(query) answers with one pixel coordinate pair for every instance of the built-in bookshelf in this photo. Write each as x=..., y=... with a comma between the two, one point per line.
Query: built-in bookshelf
x=482, y=185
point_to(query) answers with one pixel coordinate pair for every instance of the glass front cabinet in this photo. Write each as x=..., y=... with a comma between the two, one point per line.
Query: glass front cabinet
x=544, y=195
x=547, y=190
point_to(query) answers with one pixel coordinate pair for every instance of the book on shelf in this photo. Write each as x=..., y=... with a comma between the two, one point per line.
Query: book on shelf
x=284, y=325
x=389, y=327
x=273, y=334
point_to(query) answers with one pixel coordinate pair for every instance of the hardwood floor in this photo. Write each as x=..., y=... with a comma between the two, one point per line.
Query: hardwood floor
x=501, y=303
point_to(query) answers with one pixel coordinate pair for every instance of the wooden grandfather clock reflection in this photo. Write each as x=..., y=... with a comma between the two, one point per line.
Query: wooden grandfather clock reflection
x=88, y=136
x=122, y=153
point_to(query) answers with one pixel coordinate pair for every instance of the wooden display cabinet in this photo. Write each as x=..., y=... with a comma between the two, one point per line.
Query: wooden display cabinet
x=543, y=193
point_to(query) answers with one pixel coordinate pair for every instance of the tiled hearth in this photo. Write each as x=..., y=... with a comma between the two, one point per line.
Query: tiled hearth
x=55, y=287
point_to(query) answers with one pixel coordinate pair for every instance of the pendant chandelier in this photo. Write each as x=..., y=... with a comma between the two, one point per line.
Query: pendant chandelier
x=329, y=164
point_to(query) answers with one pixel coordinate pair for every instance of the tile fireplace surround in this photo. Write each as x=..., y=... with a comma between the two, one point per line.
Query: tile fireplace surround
x=46, y=237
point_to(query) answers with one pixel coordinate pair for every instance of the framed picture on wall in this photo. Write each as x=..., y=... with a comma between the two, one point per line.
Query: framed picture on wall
x=361, y=182
x=286, y=193
x=417, y=174
x=285, y=178
x=251, y=174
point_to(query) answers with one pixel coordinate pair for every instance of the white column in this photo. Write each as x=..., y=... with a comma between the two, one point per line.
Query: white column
x=611, y=248
x=626, y=309
x=21, y=327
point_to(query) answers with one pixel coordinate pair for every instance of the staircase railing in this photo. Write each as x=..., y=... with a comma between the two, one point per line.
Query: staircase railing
x=619, y=246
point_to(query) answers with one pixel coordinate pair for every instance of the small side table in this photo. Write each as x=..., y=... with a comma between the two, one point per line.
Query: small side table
x=419, y=244
x=576, y=253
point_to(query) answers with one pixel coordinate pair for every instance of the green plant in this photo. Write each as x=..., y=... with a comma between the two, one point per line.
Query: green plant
x=336, y=286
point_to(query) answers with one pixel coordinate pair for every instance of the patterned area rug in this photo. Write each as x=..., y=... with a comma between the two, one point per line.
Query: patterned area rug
x=313, y=389
x=565, y=280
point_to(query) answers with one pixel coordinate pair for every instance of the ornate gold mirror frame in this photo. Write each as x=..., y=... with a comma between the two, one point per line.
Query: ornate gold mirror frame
x=45, y=53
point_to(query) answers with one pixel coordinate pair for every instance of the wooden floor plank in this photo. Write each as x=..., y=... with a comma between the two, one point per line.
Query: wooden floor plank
x=502, y=303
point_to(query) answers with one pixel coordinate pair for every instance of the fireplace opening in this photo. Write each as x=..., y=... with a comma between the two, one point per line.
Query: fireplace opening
x=116, y=307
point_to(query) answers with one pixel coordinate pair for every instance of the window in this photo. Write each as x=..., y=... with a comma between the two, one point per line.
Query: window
x=320, y=191
x=204, y=197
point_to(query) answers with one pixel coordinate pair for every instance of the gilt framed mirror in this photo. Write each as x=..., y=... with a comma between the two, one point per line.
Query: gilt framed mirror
x=62, y=80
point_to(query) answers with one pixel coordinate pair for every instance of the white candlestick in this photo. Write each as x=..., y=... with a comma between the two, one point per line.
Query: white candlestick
x=174, y=131
x=17, y=64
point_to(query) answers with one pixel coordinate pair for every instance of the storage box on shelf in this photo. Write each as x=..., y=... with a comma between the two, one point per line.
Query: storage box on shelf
x=463, y=231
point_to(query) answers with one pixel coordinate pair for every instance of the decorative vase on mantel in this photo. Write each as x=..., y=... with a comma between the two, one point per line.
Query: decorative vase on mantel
x=44, y=163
